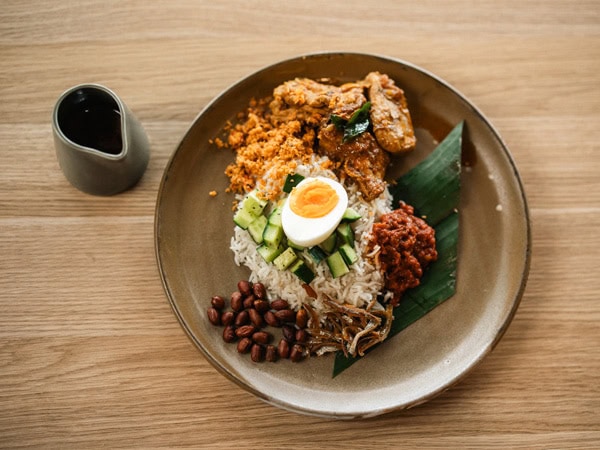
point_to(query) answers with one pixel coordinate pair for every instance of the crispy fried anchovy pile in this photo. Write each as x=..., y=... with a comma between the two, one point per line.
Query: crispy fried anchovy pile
x=347, y=328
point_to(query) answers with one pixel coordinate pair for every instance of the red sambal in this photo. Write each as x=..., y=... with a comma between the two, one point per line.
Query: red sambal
x=406, y=247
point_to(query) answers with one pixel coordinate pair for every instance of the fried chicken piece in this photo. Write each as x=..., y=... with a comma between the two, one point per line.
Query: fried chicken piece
x=312, y=102
x=330, y=142
x=347, y=99
x=361, y=159
x=390, y=117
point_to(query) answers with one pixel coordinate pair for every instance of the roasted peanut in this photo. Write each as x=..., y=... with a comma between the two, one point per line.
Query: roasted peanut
x=297, y=353
x=271, y=353
x=271, y=319
x=244, y=287
x=259, y=290
x=245, y=331
x=244, y=345
x=249, y=301
x=229, y=334
x=242, y=318
x=217, y=302
x=286, y=315
x=256, y=353
x=279, y=304
x=237, y=301
x=283, y=348
x=301, y=318
x=289, y=333
x=301, y=335
x=255, y=317
x=213, y=316
x=262, y=337
x=262, y=306
x=227, y=318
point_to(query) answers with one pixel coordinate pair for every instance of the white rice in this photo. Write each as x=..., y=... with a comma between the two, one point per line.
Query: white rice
x=358, y=287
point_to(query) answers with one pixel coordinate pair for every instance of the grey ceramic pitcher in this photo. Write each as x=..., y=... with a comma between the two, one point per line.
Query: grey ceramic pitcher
x=101, y=147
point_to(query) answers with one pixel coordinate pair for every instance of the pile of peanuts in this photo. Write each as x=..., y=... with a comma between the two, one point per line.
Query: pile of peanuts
x=246, y=320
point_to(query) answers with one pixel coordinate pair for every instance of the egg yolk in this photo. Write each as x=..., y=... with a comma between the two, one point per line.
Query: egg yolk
x=314, y=199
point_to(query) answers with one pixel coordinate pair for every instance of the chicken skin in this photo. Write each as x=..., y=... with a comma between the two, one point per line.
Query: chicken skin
x=390, y=117
x=312, y=102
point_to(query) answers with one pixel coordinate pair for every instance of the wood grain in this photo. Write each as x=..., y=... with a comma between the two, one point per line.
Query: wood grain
x=90, y=352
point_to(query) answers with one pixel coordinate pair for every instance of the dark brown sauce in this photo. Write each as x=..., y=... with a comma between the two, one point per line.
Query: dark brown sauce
x=439, y=128
x=91, y=118
x=469, y=152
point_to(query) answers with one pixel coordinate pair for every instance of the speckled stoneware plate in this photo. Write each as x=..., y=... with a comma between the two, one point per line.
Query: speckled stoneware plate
x=193, y=232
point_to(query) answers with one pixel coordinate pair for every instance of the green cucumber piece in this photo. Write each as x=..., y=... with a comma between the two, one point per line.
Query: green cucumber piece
x=275, y=216
x=317, y=254
x=257, y=228
x=337, y=265
x=328, y=245
x=350, y=215
x=269, y=253
x=346, y=234
x=295, y=246
x=285, y=259
x=254, y=204
x=273, y=235
x=349, y=254
x=302, y=271
x=291, y=181
x=243, y=218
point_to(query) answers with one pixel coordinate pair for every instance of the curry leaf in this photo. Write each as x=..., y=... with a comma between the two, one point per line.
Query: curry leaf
x=433, y=188
x=357, y=124
x=339, y=122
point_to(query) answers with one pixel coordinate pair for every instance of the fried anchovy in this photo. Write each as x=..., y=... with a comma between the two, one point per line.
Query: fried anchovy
x=348, y=328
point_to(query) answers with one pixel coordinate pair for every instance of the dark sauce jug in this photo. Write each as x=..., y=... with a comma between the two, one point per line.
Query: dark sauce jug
x=101, y=147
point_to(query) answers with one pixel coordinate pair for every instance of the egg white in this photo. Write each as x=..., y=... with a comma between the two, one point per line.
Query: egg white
x=308, y=232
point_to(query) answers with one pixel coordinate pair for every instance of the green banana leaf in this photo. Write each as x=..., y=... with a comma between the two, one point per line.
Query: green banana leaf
x=433, y=189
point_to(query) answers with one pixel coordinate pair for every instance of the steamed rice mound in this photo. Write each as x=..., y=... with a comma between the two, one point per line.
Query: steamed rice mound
x=359, y=287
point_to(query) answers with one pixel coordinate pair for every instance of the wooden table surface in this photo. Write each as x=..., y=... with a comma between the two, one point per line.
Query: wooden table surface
x=91, y=354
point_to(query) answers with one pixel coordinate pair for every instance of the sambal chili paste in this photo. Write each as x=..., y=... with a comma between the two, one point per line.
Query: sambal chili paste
x=406, y=247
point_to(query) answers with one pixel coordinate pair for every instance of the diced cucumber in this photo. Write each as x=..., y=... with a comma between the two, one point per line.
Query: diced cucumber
x=257, y=228
x=328, y=245
x=243, y=218
x=295, y=246
x=349, y=254
x=337, y=265
x=302, y=271
x=344, y=230
x=273, y=235
x=317, y=254
x=254, y=204
x=269, y=253
x=350, y=215
x=285, y=259
x=251, y=208
x=291, y=181
x=275, y=216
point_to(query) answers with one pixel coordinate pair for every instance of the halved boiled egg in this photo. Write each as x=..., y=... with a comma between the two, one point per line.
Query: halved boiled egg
x=313, y=210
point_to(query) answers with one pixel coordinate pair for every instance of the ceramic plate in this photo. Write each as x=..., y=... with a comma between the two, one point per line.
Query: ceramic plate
x=193, y=232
